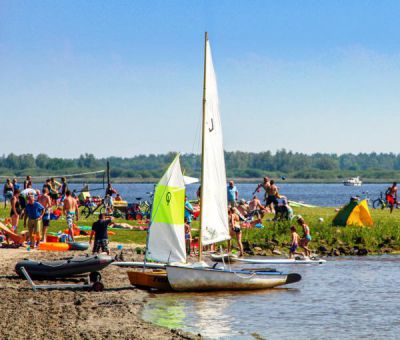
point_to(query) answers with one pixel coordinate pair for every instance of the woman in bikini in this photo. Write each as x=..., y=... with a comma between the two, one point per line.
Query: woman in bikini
x=15, y=210
x=306, y=237
x=235, y=230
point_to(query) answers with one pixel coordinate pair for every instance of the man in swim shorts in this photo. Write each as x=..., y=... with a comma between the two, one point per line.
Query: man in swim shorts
x=256, y=208
x=265, y=185
x=45, y=200
x=71, y=211
x=391, y=196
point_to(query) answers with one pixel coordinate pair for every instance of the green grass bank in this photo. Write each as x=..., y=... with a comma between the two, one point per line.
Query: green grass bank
x=383, y=237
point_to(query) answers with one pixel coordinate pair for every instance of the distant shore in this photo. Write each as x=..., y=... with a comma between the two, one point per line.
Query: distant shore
x=122, y=180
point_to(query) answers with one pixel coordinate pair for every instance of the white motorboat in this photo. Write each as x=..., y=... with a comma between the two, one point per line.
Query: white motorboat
x=354, y=182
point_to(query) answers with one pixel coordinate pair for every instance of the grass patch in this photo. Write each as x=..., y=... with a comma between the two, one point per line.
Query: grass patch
x=384, y=236
x=121, y=236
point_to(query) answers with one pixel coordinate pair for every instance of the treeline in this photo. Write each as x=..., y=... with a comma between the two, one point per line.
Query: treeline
x=239, y=164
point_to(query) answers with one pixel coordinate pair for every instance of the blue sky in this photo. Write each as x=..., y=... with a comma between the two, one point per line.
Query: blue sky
x=125, y=77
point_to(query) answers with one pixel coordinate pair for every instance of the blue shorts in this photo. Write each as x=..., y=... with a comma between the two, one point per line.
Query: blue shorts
x=308, y=237
x=293, y=248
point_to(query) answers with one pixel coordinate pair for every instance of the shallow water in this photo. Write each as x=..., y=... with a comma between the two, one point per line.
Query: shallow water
x=347, y=298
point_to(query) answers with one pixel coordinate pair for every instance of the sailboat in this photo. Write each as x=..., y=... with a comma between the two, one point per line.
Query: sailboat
x=214, y=226
x=166, y=236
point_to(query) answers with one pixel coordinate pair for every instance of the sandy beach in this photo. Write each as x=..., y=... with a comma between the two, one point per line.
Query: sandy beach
x=114, y=313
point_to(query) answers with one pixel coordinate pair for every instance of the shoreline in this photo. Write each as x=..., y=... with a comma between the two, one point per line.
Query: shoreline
x=252, y=180
x=75, y=314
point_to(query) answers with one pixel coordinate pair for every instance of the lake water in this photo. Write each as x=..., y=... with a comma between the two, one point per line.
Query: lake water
x=317, y=194
x=347, y=298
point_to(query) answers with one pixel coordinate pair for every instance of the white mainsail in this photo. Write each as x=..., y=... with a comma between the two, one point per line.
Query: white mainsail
x=214, y=206
x=166, y=236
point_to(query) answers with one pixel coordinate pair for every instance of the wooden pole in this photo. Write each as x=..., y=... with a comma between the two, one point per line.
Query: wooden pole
x=108, y=173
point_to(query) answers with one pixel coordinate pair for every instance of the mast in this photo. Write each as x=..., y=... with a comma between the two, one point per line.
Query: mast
x=202, y=144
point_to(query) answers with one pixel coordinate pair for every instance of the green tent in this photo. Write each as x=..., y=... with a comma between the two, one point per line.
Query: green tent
x=355, y=213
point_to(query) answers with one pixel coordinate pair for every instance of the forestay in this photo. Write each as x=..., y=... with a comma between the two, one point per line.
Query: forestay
x=214, y=209
x=166, y=235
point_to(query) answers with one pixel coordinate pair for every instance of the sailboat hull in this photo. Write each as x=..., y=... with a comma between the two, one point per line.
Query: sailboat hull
x=149, y=279
x=206, y=279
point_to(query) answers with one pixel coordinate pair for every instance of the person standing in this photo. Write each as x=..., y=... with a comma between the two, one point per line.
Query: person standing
x=391, y=196
x=34, y=212
x=188, y=236
x=188, y=211
x=108, y=204
x=8, y=191
x=99, y=231
x=233, y=194
x=47, y=185
x=15, y=184
x=71, y=212
x=15, y=210
x=294, y=244
x=54, y=186
x=265, y=185
x=272, y=195
x=110, y=190
x=306, y=236
x=235, y=230
x=45, y=201
x=198, y=193
x=28, y=182
x=64, y=188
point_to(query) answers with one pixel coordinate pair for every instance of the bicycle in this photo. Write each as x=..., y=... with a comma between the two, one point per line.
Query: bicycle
x=90, y=206
x=140, y=210
x=381, y=202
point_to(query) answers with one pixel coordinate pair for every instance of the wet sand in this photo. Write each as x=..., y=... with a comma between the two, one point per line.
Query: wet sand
x=114, y=313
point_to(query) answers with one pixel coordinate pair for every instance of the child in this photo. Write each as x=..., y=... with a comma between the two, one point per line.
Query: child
x=188, y=236
x=108, y=204
x=295, y=242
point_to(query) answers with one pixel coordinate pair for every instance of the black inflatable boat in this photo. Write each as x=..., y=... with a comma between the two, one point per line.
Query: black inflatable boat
x=64, y=268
